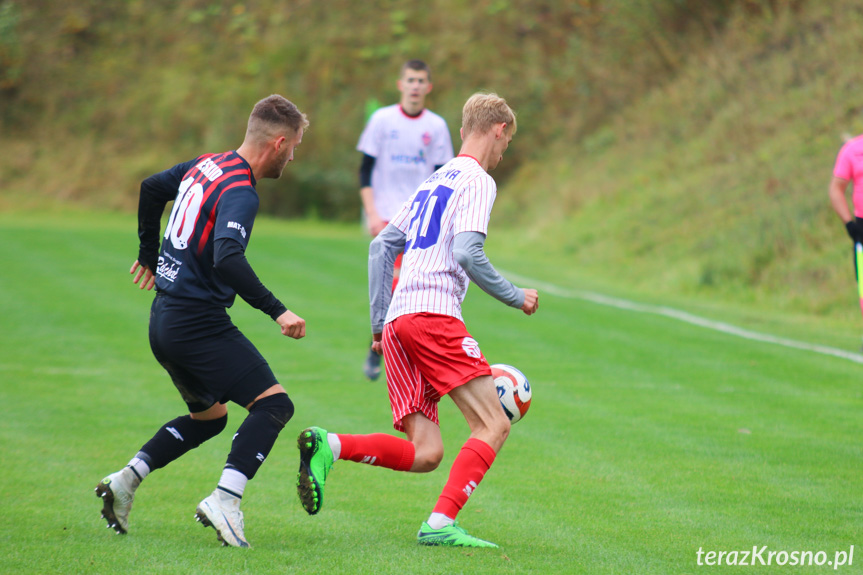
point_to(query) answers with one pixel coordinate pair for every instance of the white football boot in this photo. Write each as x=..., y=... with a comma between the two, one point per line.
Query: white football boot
x=223, y=515
x=117, y=492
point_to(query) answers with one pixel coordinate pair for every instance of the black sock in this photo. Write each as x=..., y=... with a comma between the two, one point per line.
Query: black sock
x=177, y=437
x=258, y=433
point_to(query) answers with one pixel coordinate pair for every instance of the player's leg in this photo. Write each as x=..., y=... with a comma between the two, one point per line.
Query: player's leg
x=206, y=419
x=858, y=273
x=319, y=449
x=270, y=409
x=435, y=356
x=489, y=427
x=372, y=365
x=421, y=452
x=414, y=412
x=171, y=441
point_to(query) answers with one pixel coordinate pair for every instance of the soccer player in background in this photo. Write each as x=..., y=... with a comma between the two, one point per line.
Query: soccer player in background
x=402, y=145
x=848, y=168
x=419, y=328
x=201, y=268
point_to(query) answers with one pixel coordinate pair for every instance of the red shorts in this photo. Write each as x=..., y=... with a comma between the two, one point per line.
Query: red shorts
x=427, y=355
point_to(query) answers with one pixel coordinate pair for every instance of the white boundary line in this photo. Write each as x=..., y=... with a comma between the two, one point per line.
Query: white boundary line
x=682, y=316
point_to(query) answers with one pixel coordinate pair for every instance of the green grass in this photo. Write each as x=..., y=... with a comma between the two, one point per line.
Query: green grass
x=647, y=438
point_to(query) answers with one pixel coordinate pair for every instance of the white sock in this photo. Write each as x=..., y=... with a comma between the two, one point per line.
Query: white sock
x=232, y=482
x=439, y=520
x=335, y=445
x=140, y=470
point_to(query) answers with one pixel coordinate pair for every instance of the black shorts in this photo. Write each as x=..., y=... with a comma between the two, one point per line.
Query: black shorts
x=208, y=358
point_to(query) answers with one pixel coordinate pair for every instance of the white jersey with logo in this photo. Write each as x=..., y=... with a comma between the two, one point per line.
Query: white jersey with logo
x=406, y=150
x=457, y=198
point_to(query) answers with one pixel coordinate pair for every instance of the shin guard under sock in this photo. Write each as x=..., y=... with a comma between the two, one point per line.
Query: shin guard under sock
x=378, y=449
x=258, y=433
x=177, y=437
x=467, y=471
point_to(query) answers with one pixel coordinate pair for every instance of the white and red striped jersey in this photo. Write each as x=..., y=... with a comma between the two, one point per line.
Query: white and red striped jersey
x=406, y=150
x=457, y=198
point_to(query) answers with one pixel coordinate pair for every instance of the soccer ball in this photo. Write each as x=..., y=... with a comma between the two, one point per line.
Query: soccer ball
x=513, y=389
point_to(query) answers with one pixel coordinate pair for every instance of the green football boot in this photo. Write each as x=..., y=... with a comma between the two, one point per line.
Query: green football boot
x=316, y=460
x=451, y=535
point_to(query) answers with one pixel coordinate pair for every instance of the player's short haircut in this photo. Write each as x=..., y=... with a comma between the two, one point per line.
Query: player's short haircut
x=417, y=66
x=483, y=111
x=272, y=116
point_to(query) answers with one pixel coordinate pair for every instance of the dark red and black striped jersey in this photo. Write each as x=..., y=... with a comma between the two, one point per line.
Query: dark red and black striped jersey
x=214, y=198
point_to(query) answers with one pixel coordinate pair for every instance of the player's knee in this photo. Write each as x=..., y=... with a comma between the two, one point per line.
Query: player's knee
x=427, y=459
x=207, y=429
x=279, y=407
x=506, y=430
x=502, y=428
x=496, y=431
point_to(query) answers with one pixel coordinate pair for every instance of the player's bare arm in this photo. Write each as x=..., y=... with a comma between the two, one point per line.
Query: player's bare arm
x=143, y=276
x=854, y=227
x=373, y=221
x=838, y=186
x=292, y=325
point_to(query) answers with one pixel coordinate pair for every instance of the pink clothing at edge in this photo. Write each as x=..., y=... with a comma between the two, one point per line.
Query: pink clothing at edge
x=849, y=166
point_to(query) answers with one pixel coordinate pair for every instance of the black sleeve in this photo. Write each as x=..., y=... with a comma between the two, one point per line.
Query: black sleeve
x=232, y=266
x=156, y=192
x=366, y=170
x=438, y=167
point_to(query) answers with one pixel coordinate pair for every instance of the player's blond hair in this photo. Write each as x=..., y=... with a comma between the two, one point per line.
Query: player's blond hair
x=272, y=116
x=483, y=111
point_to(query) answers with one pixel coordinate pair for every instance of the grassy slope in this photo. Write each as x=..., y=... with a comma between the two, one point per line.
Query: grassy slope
x=715, y=185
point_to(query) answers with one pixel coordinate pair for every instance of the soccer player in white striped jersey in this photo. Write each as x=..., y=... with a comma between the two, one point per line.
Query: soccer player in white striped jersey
x=402, y=145
x=441, y=229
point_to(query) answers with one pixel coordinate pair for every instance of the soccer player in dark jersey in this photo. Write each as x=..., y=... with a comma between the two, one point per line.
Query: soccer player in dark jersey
x=197, y=274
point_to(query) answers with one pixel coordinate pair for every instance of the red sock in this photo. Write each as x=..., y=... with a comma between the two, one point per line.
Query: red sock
x=467, y=471
x=378, y=449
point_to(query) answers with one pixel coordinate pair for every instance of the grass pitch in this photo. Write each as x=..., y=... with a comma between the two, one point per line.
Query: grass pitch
x=647, y=439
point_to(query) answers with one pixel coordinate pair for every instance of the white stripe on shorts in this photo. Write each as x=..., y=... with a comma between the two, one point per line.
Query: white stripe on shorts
x=405, y=383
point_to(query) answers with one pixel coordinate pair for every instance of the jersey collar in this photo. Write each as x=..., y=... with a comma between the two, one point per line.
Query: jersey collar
x=408, y=116
x=469, y=156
